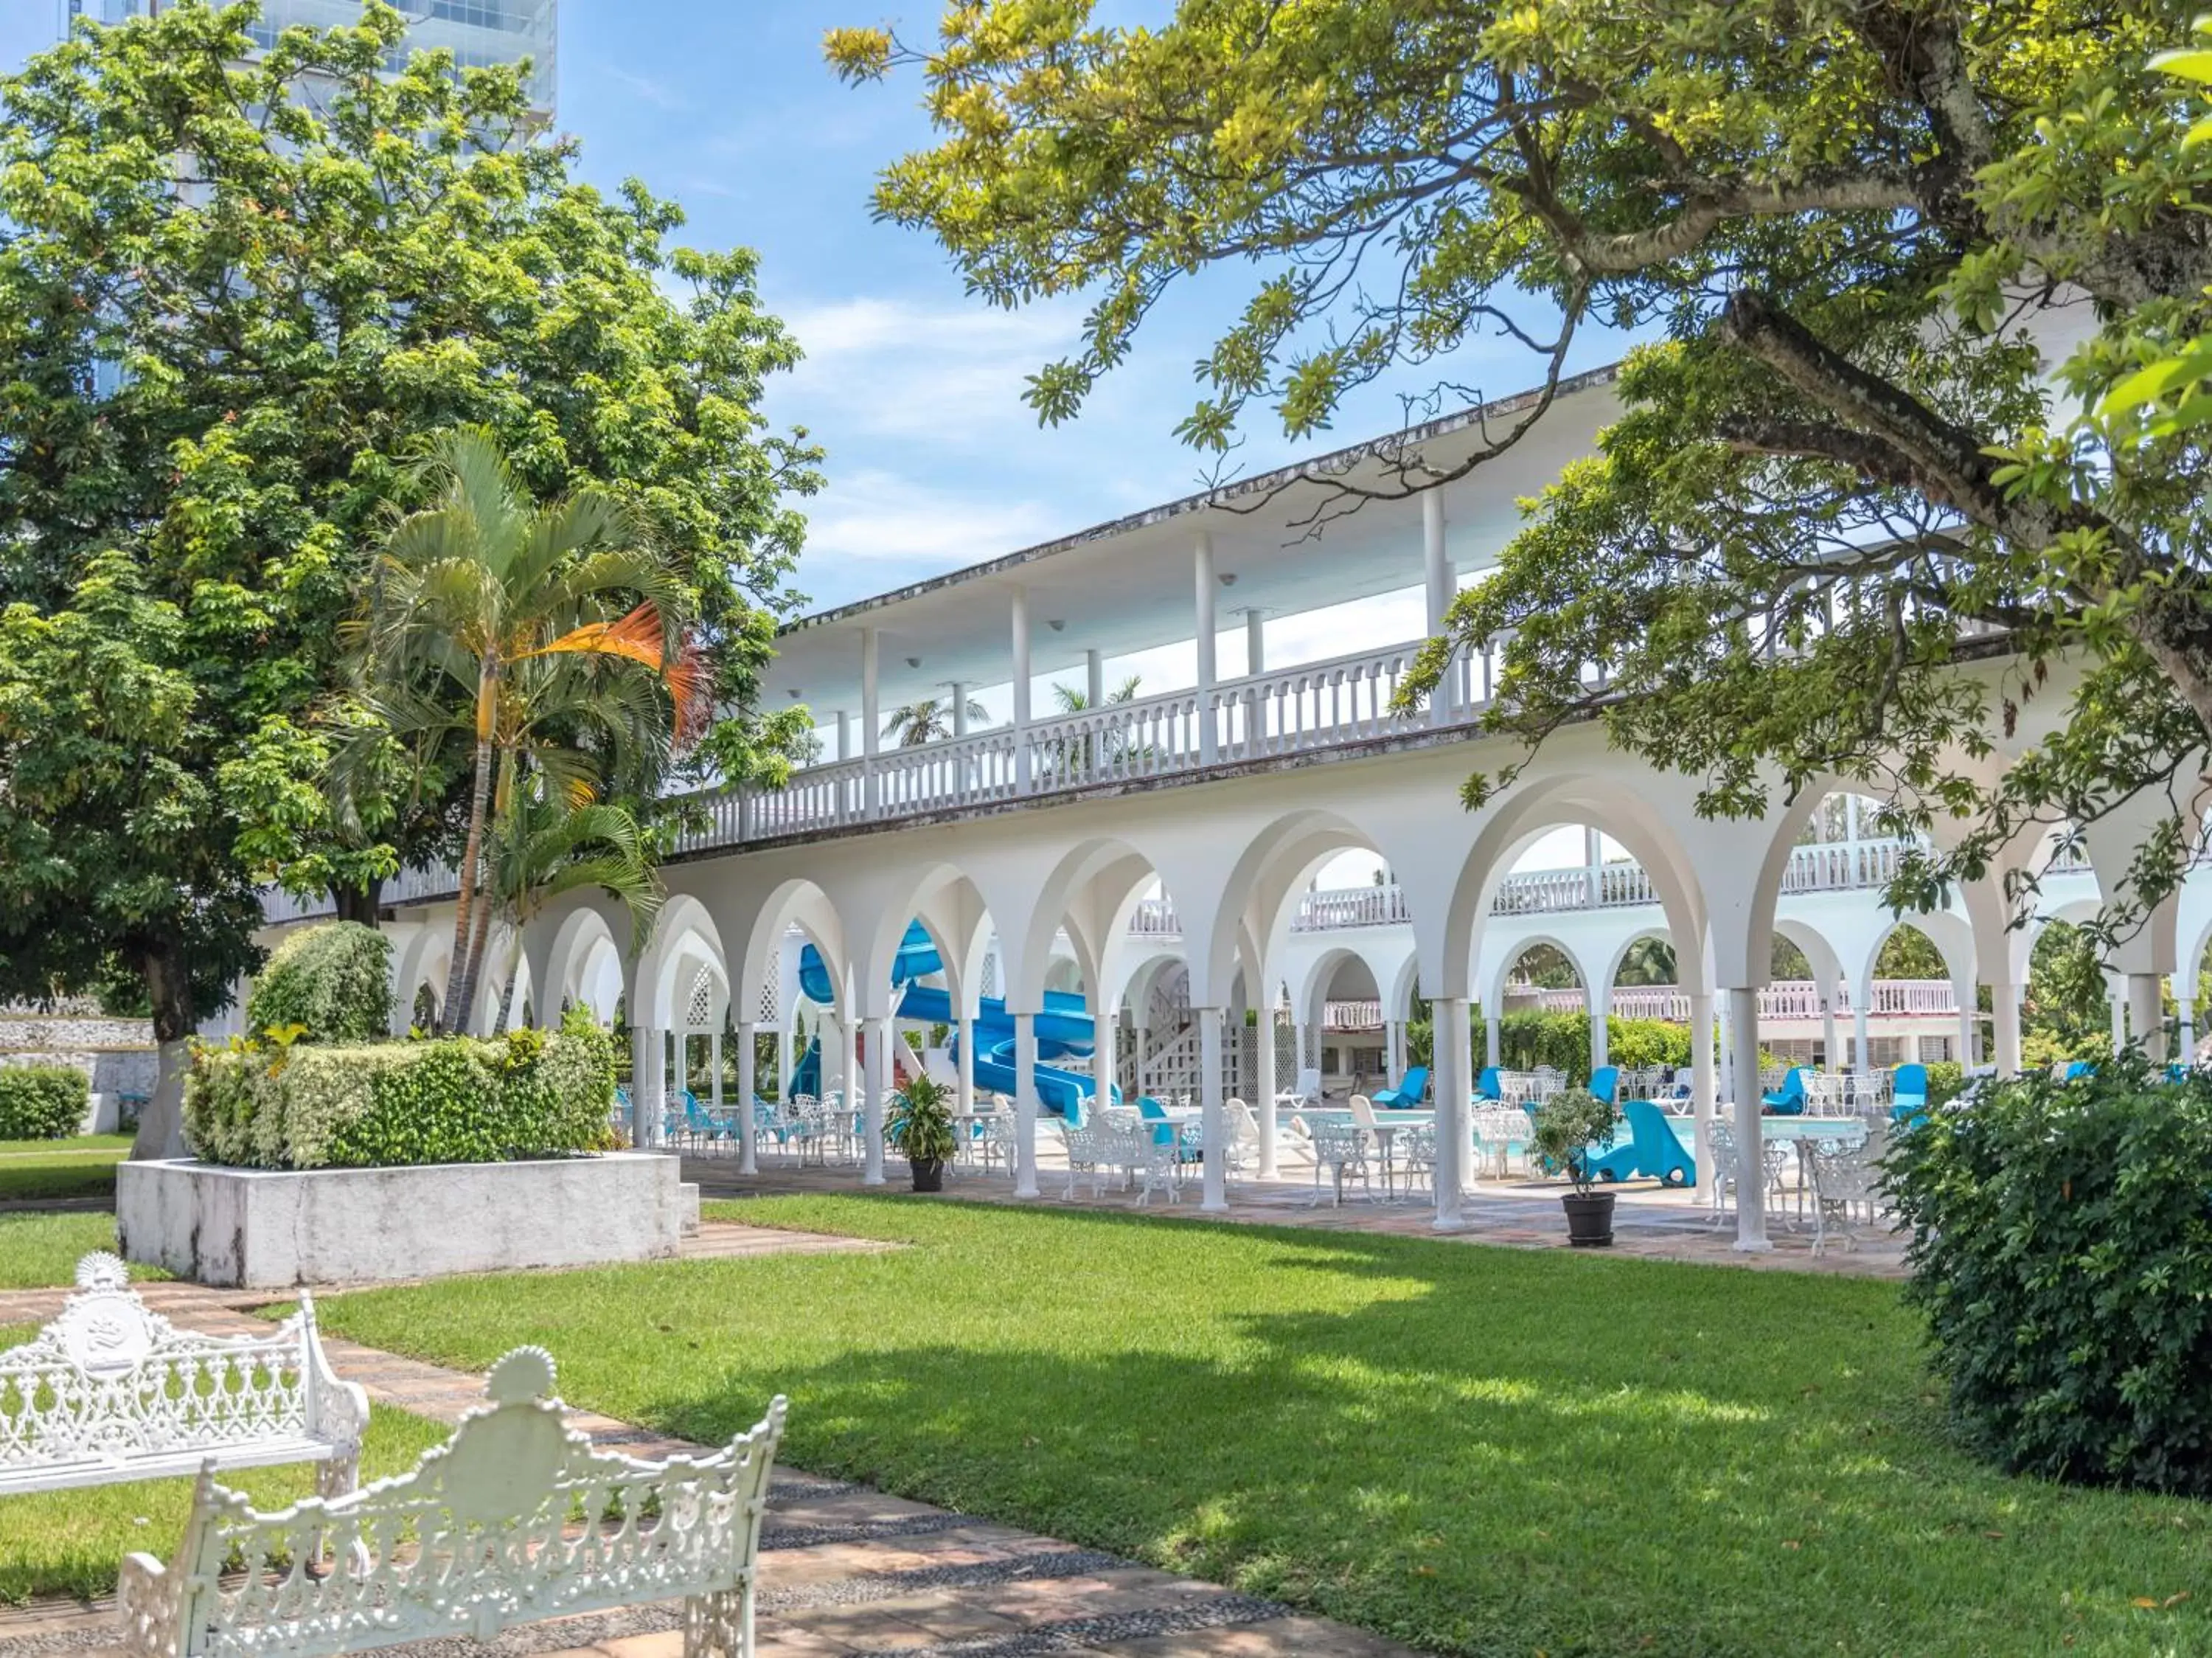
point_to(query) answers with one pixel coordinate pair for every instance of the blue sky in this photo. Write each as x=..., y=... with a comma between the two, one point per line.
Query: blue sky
x=914, y=387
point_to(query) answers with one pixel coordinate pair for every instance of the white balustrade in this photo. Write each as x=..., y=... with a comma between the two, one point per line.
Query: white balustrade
x=1785, y=999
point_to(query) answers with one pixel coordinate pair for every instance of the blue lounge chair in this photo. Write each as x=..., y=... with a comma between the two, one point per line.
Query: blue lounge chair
x=1790, y=1101
x=2078, y=1069
x=1413, y=1087
x=1605, y=1084
x=1487, y=1087
x=1908, y=1093
x=1658, y=1149
x=1153, y=1111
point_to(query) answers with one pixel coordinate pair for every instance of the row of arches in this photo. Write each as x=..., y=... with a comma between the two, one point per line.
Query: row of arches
x=1052, y=895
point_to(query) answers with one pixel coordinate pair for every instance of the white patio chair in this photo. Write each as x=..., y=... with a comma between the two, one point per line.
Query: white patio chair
x=1241, y=1155
x=1340, y=1152
x=1306, y=1092
x=1417, y=1160
x=1089, y=1157
x=1845, y=1185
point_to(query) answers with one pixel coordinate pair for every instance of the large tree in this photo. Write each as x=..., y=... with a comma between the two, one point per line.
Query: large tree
x=1886, y=249
x=240, y=289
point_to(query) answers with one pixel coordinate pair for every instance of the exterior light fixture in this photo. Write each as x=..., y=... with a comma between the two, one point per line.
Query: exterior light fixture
x=1227, y=578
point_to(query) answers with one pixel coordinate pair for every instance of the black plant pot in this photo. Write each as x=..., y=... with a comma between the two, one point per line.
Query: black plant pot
x=1589, y=1218
x=928, y=1173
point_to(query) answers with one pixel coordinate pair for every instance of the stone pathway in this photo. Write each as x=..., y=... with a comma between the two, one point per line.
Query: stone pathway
x=844, y=1569
x=1649, y=1220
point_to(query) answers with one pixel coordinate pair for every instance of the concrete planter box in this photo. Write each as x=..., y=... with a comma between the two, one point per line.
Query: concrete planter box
x=272, y=1228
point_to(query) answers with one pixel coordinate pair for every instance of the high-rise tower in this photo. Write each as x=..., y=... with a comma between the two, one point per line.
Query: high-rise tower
x=479, y=32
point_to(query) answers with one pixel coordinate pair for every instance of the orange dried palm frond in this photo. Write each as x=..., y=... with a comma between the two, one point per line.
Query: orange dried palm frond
x=638, y=637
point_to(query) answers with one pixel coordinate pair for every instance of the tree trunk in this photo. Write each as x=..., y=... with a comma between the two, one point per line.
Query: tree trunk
x=471, y=862
x=506, y=990
x=479, y=938
x=358, y=903
x=169, y=988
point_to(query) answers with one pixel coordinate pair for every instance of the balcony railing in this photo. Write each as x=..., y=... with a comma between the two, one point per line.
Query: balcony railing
x=1785, y=999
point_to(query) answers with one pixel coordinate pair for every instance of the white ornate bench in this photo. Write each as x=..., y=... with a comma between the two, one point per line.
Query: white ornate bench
x=112, y=1391
x=514, y=1518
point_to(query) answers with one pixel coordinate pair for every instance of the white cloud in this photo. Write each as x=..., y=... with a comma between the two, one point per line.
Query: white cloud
x=876, y=529
x=657, y=92
x=944, y=375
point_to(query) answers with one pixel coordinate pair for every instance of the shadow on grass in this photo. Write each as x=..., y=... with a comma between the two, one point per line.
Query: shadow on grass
x=1473, y=1450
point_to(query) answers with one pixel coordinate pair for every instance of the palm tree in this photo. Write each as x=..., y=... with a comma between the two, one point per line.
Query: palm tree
x=928, y=720
x=1072, y=754
x=544, y=846
x=545, y=618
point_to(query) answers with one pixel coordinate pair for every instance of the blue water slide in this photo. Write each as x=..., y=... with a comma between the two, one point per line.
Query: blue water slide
x=806, y=1075
x=1064, y=1029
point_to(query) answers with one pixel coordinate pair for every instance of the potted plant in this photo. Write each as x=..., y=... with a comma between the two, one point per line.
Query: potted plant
x=922, y=1129
x=1568, y=1127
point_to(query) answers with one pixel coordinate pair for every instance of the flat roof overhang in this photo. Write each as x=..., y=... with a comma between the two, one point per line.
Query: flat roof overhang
x=1127, y=585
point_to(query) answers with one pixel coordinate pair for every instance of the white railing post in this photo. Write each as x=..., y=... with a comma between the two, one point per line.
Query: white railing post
x=1203, y=583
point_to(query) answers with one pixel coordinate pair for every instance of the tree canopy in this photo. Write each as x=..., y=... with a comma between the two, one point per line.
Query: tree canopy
x=240, y=288
x=1882, y=253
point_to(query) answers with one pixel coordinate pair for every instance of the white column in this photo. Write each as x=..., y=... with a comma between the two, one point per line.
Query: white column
x=849, y=1058
x=2004, y=1003
x=1021, y=686
x=1025, y=1105
x=1094, y=680
x=683, y=1067
x=844, y=735
x=1601, y=1036
x=2184, y=1014
x=959, y=689
x=1435, y=569
x=870, y=719
x=1213, y=1129
x=1862, y=1054
x=1441, y=586
x=1301, y=1039
x=1830, y=1056
x=1104, y=1058
x=1255, y=643
x=1263, y=1081
x=1965, y=995
x=1393, y=1061
x=1703, y=1096
x=649, y=1058
x=880, y=1038
x=1727, y=1051
x=747, y=1126
x=1204, y=583
x=1449, y=1046
x=783, y=1063
x=963, y=1090
x=2147, y=1014
x=1751, y=1182
x=2119, y=1007
x=715, y=1069
x=1493, y=1039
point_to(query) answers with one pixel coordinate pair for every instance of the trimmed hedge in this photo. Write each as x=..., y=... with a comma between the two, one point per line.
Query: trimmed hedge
x=2061, y=1250
x=42, y=1102
x=334, y=980
x=1529, y=1039
x=380, y=1105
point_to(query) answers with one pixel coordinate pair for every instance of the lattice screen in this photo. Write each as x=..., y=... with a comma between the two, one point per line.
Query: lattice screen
x=699, y=1015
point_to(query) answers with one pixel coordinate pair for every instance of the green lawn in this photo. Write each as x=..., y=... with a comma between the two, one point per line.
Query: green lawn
x=82, y=1167
x=71, y=1542
x=38, y=1251
x=1474, y=1450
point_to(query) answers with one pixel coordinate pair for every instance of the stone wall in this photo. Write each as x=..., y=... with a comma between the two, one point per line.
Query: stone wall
x=117, y=1056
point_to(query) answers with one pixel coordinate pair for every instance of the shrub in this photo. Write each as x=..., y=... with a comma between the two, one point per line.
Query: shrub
x=456, y=1101
x=1947, y=1080
x=1561, y=1040
x=42, y=1102
x=2061, y=1250
x=335, y=980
